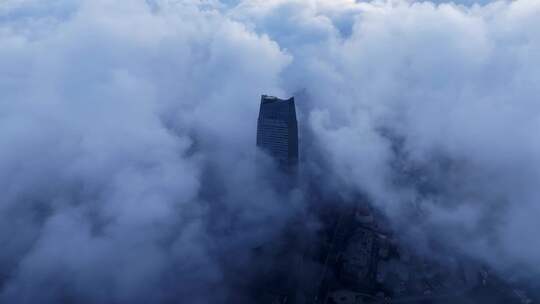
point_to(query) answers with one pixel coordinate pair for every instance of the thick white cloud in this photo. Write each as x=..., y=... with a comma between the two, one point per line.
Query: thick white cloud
x=128, y=126
x=101, y=111
x=457, y=86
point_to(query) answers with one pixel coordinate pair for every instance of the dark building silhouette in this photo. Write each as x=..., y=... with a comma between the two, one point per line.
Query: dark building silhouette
x=277, y=130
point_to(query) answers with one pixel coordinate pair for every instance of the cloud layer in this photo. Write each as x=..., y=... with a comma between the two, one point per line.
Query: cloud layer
x=128, y=134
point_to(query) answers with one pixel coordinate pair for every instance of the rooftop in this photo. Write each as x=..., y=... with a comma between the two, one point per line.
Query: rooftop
x=269, y=99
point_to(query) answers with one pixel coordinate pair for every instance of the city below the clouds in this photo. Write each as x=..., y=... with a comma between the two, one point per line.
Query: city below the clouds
x=269, y=151
x=355, y=256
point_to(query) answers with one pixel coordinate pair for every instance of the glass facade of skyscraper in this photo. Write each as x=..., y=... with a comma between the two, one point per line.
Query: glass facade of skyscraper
x=277, y=130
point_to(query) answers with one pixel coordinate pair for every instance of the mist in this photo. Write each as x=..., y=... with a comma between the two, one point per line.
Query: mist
x=128, y=162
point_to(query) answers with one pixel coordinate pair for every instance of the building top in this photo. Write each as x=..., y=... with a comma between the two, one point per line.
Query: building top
x=269, y=99
x=277, y=129
x=277, y=109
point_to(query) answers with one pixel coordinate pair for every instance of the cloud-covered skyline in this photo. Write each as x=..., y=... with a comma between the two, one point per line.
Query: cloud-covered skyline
x=128, y=135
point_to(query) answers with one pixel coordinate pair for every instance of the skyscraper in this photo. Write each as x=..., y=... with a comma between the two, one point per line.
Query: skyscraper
x=277, y=131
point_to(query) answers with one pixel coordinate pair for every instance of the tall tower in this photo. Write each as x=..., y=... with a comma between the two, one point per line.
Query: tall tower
x=277, y=131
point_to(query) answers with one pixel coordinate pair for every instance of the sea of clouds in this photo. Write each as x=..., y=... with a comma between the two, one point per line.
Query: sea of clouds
x=127, y=135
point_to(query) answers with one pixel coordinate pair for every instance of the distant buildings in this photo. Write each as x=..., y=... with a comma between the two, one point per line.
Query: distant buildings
x=277, y=131
x=356, y=257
